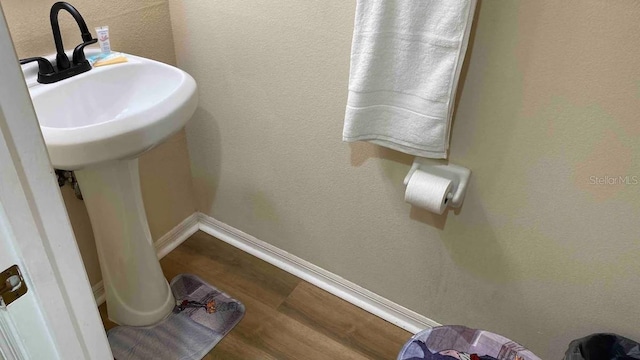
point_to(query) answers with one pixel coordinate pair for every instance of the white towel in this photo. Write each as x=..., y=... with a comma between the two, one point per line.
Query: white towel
x=405, y=63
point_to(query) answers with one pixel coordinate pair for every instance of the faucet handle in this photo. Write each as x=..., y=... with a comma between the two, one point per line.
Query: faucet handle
x=78, y=52
x=44, y=66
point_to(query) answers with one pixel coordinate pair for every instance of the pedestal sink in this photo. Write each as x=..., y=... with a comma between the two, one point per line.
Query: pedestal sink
x=98, y=123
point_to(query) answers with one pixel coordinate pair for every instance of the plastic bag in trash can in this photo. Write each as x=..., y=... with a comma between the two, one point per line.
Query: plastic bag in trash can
x=603, y=347
x=459, y=342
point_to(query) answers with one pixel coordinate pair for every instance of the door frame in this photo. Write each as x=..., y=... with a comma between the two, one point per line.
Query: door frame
x=42, y=237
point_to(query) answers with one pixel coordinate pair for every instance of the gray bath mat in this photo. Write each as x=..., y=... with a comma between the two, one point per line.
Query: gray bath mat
x=183, y=335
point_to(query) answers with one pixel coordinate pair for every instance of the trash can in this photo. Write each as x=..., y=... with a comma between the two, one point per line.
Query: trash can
x=603, y=347
x=459, y=342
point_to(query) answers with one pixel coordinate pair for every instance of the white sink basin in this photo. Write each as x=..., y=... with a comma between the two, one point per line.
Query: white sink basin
x=112, y=112
x=98, y=123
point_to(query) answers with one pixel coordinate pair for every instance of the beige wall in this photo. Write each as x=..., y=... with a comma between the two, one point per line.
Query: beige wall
x=137, y=27
x=551, y=98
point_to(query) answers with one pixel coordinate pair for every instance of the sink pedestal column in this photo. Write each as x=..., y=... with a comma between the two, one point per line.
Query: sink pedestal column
x=137, y=292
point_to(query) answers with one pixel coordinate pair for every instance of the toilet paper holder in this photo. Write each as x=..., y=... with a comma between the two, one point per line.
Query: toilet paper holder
x=458, y=175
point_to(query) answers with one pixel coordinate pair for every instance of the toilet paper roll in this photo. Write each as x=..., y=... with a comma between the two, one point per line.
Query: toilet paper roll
x=428, y=191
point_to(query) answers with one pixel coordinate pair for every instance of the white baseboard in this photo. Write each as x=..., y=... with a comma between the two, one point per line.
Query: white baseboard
x=177, y=235
x=164, y=245
x=98, y=293
x=328, y=281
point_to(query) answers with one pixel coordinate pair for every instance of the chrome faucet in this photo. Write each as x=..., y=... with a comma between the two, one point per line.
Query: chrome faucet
x=64, y=68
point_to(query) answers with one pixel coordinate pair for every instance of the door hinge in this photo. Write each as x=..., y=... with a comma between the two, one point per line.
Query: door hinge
x=12, y=285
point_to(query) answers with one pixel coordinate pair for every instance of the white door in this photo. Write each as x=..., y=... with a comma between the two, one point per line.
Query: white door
x=57, y=318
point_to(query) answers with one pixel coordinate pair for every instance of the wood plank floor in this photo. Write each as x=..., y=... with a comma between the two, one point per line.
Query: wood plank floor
x=286, y=318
